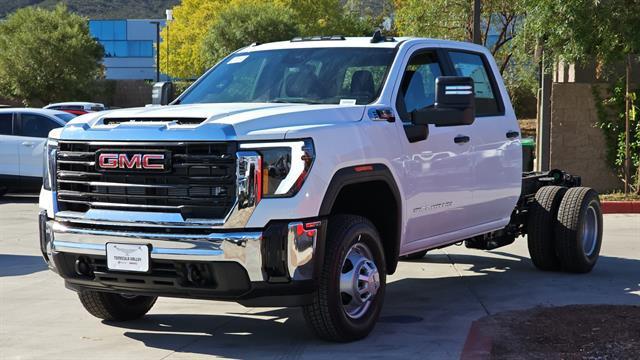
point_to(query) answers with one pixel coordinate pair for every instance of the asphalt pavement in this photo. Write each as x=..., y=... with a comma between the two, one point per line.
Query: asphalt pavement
x=429, y=306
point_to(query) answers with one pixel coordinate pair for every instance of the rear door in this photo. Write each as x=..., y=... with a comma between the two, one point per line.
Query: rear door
x=33, y=130
x=9, y=159
x=497, y=155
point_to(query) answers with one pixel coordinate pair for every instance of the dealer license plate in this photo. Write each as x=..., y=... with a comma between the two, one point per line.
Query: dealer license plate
x=128, y=257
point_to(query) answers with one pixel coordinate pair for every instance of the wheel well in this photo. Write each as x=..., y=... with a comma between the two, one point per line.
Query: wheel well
x=376, y=201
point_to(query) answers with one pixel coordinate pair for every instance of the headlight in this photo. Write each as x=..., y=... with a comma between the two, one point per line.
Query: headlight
x=49, y=168
x=285, y=165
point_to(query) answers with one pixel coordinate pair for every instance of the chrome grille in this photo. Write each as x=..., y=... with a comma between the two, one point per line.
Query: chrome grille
x=201, y=183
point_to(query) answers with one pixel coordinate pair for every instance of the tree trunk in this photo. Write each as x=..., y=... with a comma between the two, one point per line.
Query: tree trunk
x=627, y=132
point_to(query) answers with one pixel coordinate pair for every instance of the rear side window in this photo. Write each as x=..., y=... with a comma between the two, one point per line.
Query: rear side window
x=6, y=124
x=473, y=66
x=33, y=125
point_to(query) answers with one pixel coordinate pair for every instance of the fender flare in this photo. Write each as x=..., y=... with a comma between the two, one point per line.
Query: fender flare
x=362, y=174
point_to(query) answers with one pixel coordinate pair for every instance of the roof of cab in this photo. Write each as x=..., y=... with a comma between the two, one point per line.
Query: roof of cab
x=77, y=103
x=351, y=42
x=39, y=111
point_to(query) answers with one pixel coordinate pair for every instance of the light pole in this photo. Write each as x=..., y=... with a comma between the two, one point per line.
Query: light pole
x=157, y=23
x=169, y=13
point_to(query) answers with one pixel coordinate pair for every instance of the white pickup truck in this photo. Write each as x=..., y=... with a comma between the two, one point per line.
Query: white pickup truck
x=298, y=173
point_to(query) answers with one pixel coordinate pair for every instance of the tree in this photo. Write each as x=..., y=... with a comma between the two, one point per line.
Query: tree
x=47, y=55
x=330, y=17
x=453, y=19
x=578, y=31
x=186, y=35
x=240, y=25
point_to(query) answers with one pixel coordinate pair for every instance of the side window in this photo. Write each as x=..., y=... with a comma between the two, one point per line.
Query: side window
x=6, y=124
x=418, y=85
x=472, y=65
x=33, y=125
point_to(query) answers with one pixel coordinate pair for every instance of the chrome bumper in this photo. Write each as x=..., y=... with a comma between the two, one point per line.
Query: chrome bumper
x=244, y=248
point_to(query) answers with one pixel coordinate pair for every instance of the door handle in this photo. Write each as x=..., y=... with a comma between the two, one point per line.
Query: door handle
x=461, y=139
x=512, y=134
x=28, y=144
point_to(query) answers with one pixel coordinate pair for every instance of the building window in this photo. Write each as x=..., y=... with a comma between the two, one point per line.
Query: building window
x=128, y=48
x=108, y=29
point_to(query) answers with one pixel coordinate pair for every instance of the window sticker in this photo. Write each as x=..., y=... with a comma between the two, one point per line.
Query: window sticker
x=347, y=101
x=237, y=59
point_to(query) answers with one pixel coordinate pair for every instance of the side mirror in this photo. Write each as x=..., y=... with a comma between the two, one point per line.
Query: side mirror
x=455, y=103
x=162, y=93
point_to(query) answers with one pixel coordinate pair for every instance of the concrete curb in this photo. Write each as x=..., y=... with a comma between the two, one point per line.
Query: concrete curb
x=620, y=207
x=478, y=345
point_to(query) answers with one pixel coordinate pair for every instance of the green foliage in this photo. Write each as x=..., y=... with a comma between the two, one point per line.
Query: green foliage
x=47, y=55
x=580, y=31
x=453, y=19
x=99, y=9
x=240, y=25
x=329, y=17
x=611, y=119
x=194, y=37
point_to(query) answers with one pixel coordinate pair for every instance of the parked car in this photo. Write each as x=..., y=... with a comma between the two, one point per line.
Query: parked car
x=23, y=134
x=76, y=108
x=297, y=173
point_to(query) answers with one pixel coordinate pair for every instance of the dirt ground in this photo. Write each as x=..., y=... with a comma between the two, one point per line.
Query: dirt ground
x=528, y=127
x=568, y=332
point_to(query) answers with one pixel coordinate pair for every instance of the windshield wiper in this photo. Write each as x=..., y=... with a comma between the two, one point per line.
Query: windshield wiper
x=296, y=101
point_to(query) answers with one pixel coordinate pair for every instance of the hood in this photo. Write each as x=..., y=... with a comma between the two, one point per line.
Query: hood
x=224, y=121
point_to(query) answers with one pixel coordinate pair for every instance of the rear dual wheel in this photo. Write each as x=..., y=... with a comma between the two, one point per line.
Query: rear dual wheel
x=565, y=229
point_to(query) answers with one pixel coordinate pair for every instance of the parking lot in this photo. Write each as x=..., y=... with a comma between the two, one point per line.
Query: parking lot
x=429, y=307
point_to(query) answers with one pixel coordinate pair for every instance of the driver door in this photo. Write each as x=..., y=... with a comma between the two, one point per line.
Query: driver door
x=438, y=172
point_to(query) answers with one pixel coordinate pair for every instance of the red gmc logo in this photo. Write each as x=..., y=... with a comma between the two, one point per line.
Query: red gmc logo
x=124, y=161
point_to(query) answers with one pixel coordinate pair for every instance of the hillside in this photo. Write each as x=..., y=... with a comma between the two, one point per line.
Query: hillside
x=99, y=9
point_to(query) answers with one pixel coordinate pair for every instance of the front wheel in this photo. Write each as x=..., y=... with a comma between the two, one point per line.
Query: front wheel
x=110, y=306
x=352, y=282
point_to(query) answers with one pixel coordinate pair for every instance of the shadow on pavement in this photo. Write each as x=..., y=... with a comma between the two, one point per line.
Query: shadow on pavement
x=19, y=199
x=18, y=265
x=412, y=306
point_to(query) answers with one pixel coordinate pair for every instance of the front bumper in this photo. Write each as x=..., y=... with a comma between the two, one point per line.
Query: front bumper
x=267, y=263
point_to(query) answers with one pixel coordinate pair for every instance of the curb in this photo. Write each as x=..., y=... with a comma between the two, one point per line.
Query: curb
x=620, y=207
x=477, y=346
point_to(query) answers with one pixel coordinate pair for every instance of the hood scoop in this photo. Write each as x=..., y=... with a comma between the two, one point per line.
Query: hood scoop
x=148, y=120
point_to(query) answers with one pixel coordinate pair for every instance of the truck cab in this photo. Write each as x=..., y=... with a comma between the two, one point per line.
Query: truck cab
x=294, y=173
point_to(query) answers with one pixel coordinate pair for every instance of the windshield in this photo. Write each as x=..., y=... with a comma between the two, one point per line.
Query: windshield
x=65, y=117
x=312, y=76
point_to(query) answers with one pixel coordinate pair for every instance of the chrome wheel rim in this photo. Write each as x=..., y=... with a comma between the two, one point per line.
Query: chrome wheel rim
x=590, y=230
x=359, y=280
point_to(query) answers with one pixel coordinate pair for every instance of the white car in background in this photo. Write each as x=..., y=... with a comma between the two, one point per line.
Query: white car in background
x=76, y=107
x=23, y=134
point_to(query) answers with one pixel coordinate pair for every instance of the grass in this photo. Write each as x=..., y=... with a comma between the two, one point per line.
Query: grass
x=619, y=196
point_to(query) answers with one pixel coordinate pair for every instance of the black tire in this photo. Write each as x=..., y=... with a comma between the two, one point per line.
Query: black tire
x=579, y=209
x=414, y=256
x=110, y=306
x=326, y=315
x=541, y=227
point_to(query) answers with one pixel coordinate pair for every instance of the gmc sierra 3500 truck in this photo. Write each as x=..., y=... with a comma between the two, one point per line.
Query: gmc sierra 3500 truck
x=298, y=173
